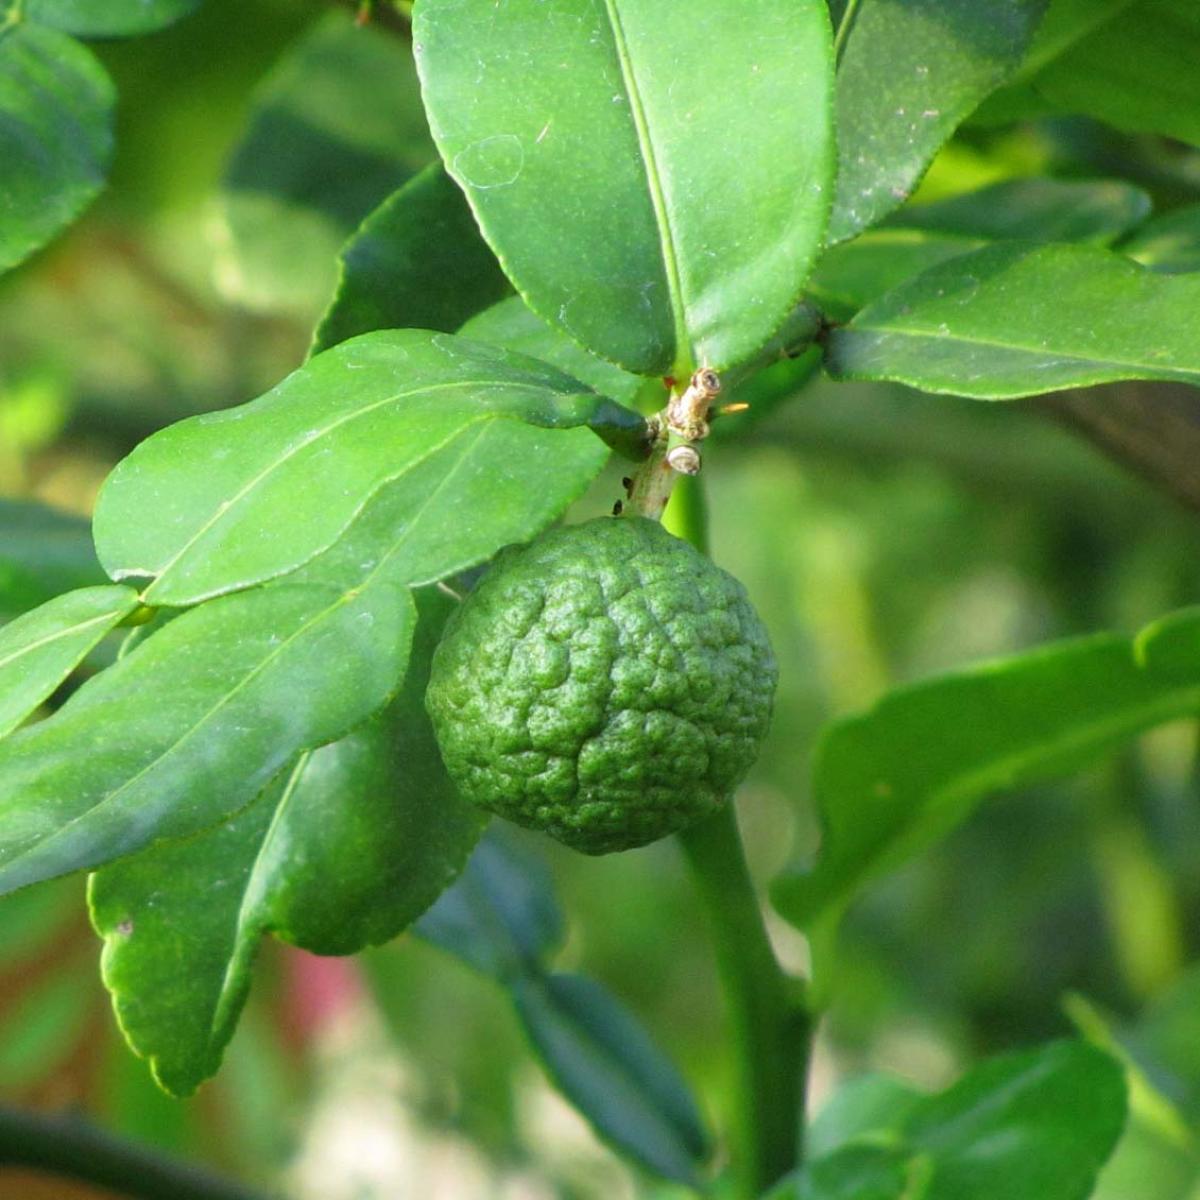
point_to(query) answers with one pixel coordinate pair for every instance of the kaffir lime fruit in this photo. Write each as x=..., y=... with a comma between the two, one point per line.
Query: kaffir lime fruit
x=607, y=684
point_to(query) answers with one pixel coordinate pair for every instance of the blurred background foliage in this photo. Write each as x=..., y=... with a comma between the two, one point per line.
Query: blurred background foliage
x=883, y=535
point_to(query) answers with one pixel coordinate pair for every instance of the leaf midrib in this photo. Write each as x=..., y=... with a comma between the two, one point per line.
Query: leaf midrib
x=683, y=352
x=59, y=634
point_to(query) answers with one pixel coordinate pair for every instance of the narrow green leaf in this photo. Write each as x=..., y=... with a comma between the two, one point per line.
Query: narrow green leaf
x=452, y=421
x=608, y=1067
x=1017, y=320
x=1036, y=209
x=1169, y=243
x=703, y=131
x=109, y=18
x=212, y=706
x=43, y=553
x=56, y=141
x=892, y=781
x=919, y=237
x=417, y=262
x=858, y=1173
x=501, y=916
x=336, y=128
x=909, y=72
x=343, y=851
x=40, y=649
x=1136, y=71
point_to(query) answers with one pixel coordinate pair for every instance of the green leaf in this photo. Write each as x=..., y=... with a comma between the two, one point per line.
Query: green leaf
x=418, y=261
x=43, y=553
x=56, y=141
x=108, y=18
x=1035, y=1124
x=336, y=128
x=892, y=781
x=1136, y=71
x=501, y=916
x=858, y=1173
x=1016, y=320
x=451, y=421
x=909, y=72
x=343, y=851
x=921, y=236
x=858, y=1109
x=39, y=650
x=1040, y=1123
x=1036, y=209
x=1168, y=243
x=212, y=706
x=608, y=1067
x=515, y=326
x=654, y=178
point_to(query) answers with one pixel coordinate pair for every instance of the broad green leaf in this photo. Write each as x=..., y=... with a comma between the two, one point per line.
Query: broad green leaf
x=1136, y=71
x=343, y=851
x=40, y=649
x=501, y=916
x=336, y=128
x=909, y=72
x=921, y=236
x=228, y=499
x=418, y=261
x=858, y=1173
x=211, y=707
x=515, y=326
x=1035, y=1124
x=56, y=141
x=108, y=18
x=1017, y=320
x=1169, y=243
x=1040, y=1123
x=606, y=1064
x=43, y=553
x=893, y=780
x=858, y=1109
x=654, y=176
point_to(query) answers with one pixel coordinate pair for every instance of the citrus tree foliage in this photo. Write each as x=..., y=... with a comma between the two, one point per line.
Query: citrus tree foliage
x=518, y=226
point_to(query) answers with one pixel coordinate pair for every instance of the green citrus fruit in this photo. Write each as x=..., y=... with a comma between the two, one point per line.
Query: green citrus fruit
x=607, y=684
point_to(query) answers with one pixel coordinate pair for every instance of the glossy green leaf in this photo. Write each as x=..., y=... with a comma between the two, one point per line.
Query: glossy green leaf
x=336, y=128
x=226, y=500
x=859, y=1173
x=1169, y=243
x=653, y=176
x=515, y=326
x=40, y=649
x=43, y=553
x=1039, y=1123
x=108, y=18
x=909, y=72
x=343, y=851
x=212, y=706
x=56, y=141
x=1035, y=209
x=501, y=916
x=418, y=261
x=859, y=1108
x=1136, y=71
x=604, y=1062
x=921, y=236
x=893, y=780
x=1017, y=320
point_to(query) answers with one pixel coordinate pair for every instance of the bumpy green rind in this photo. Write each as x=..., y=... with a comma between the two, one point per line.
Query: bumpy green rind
x=607, y=684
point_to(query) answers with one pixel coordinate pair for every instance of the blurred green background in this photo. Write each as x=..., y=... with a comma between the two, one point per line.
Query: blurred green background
x=883, y=535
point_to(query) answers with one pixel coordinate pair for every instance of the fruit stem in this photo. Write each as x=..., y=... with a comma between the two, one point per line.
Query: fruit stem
x=770, y=1023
